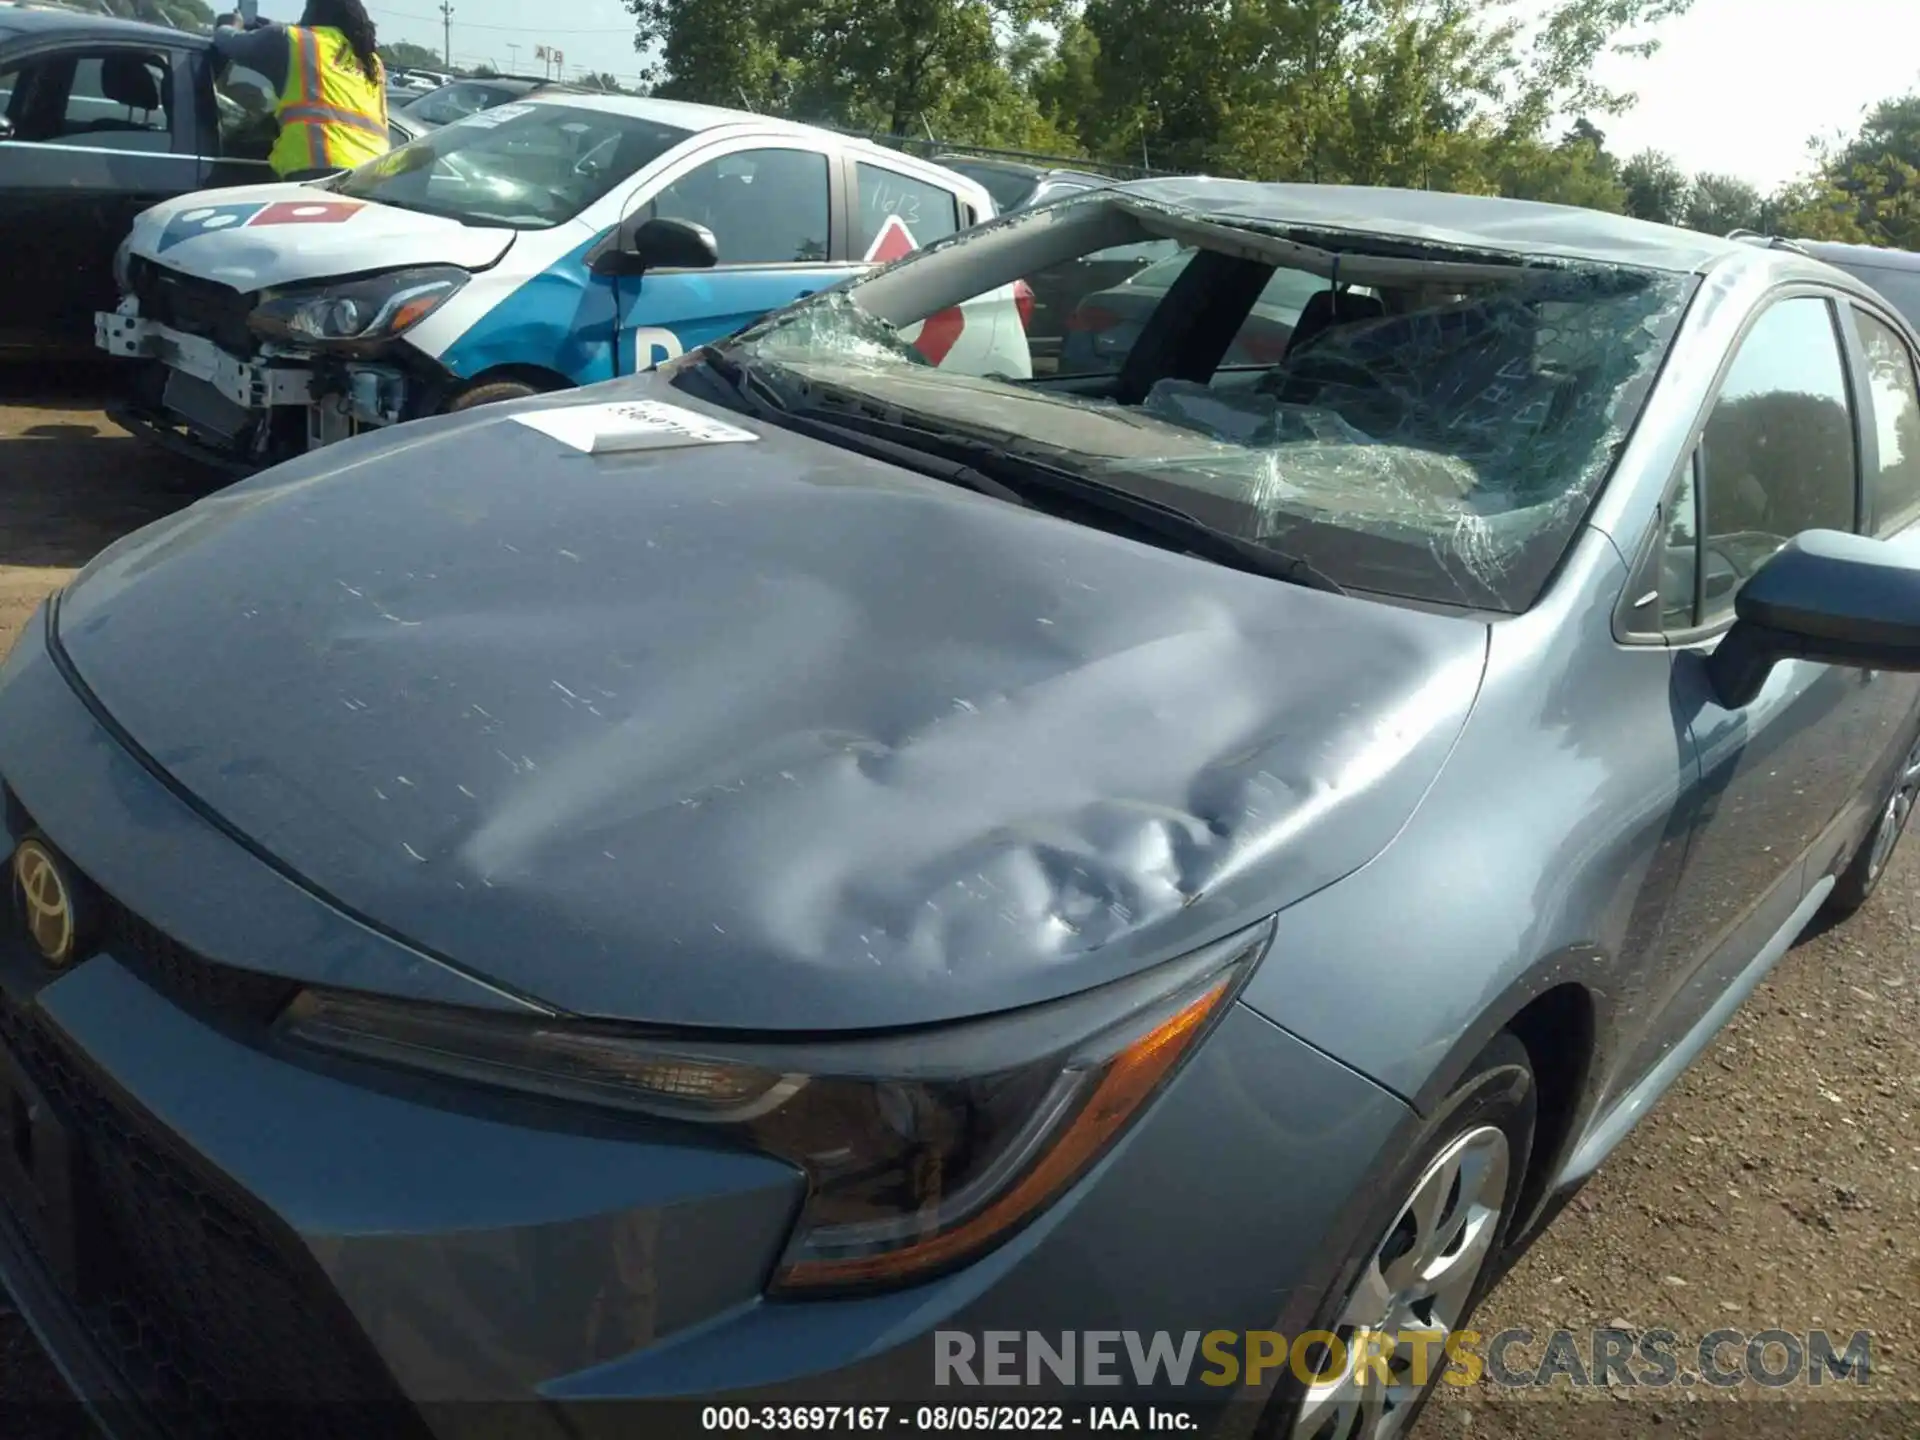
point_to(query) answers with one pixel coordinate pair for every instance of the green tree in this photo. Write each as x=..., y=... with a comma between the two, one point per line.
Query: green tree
x=723, y=52
x=1656, y=188
x=405, y=55
x=1719, y=204
x=1065, y=84
x=1442, y=93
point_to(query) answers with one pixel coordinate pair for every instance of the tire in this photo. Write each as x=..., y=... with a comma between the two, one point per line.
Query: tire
x=1869, y=863
x=492, y=393
x=1481, y=1136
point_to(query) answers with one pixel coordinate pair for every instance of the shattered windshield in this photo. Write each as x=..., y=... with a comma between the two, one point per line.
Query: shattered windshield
x=1413, y=421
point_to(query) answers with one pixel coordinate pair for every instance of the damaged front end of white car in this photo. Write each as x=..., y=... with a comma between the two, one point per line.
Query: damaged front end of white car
x=245, y=379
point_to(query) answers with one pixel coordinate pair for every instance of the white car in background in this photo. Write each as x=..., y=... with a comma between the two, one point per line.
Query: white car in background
x=560, y=240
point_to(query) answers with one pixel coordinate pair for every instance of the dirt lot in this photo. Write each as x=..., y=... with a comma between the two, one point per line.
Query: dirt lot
x=1779, y=1187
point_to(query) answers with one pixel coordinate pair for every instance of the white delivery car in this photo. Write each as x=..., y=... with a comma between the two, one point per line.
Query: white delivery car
x=552, y=242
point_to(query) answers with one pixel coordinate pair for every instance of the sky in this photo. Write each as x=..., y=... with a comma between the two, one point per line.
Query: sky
x=1738, y=86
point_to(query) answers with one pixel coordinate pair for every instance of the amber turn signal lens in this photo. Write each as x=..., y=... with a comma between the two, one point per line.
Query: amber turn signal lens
x=1128, y=1081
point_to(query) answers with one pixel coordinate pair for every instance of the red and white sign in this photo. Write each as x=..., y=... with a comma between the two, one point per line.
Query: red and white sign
x=893, y=241
x=938, y=334
x=308, y=212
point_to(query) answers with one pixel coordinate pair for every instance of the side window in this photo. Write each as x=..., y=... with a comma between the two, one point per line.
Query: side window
x=1893, y=490
x=16, y=82
x=246, y=100
x=118, y=100
x=1680, y=552
x=1777, y=455
x=764, y=207
x=927, y=211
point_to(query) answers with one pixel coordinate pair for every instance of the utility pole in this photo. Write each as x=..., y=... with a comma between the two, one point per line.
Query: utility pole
x=446, y=30
x=513, y=54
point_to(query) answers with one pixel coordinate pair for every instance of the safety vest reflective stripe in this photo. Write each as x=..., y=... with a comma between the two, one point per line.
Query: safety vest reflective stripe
x=306, y=56
x=330, y=115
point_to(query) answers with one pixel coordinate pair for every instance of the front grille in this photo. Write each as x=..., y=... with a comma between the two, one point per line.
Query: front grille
x=224, y=1330
x=201, y=986
x=216, y=1319
x=195, y=306
x=204, y=405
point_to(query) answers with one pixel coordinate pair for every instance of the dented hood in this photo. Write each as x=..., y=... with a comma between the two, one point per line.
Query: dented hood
x=266, y=235
x=755, y=734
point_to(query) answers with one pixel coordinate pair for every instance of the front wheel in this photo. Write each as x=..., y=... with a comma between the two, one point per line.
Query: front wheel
x=492, y=393
x=1425, y=1267
x=1863, y=873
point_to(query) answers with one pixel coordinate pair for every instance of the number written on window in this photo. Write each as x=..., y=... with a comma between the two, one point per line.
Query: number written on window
x=928, y=211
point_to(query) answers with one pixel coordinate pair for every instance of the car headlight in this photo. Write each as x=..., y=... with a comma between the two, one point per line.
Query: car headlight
x=356, y=313
x=921, y=1151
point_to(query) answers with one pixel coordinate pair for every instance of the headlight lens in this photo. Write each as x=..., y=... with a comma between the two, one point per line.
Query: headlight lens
x=359, y=312
x=921, y=1151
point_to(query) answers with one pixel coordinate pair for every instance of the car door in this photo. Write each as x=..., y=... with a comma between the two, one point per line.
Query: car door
x=98, y=132
x=1778, y=453
x=770, y=206
x=238, y=128
x=1888, y=382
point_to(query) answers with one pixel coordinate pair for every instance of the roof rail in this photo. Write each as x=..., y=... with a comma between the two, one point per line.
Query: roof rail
x=1772, y=242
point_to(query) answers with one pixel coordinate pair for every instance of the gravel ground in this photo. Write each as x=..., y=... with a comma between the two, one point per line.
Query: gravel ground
x=1777, y=1187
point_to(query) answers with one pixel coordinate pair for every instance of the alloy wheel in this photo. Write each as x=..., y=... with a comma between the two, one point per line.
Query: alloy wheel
x=1893, y=819
x=1416, y=1284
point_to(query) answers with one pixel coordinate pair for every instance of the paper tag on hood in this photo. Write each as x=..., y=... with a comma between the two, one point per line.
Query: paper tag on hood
x=631, y=425
x=499, y=115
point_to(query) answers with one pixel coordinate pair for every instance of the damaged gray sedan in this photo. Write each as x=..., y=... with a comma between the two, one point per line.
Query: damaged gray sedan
x=746, y=884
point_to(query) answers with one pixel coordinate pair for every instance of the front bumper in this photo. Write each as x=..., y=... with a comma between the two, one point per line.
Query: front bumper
x=305, y=1251
x=220, y=407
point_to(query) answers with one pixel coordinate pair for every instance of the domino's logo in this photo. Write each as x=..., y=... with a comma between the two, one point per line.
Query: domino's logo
x=212, y=219
x=207, y=220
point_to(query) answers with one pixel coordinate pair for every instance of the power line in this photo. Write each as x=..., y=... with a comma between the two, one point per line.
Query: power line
x=385, y=13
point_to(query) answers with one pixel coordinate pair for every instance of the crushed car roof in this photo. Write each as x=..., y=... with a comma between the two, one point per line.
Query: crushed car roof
x=1485, y=223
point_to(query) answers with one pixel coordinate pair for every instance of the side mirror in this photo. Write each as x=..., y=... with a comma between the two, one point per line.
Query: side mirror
x=657, y=244
x=1825, y=596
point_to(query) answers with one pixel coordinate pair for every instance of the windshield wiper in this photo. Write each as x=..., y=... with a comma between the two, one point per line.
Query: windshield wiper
x=1002, y=473
x=1171, y=523
x=754, y=391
